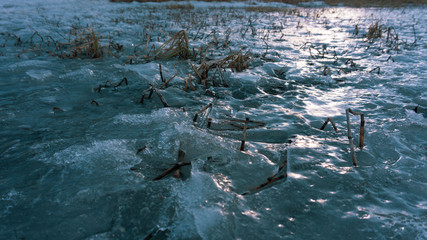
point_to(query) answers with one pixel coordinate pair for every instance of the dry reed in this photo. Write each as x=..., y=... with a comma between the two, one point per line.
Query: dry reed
x=350, y=138
x=96, y=103
x=141, y=149
x=326, y=122
x=175, y=167
x=374, y=31
x=186, y=6
x=175, y=46
x=362, y=126
x=201, y=110
x=181, y=155
x=242, y=146
x=351, y=3
x=171, y=169
x=235, y=61
x=276, y=177
x=236, y=127
x=85, y=43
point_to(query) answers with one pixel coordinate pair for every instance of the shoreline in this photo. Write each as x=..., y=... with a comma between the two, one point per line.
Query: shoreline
x=310, y=3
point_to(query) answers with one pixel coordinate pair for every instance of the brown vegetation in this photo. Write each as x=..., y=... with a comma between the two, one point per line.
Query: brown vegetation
x=187, y=6
x=86, y=43
x=352, y=3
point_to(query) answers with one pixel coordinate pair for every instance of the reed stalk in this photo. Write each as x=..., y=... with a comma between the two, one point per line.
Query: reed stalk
x=181, y=155
x=276, y=177
x=326, y=122
x=162, y=99
x=176, y=167
x=240, y=127
x=96, y=103
x=362, y=131
x=125, y=80
x=190, y=83
x=171, y=169
x=161, y=73
x=56, y=109
x=201, y=110
x=209, y=122
x=242, y=146
x=150, y=89
x=350, y=138
x=377, y=68
x=141, y=149
x=362, y=126
x=165, y=84
x=177, y=45
x=186, y=84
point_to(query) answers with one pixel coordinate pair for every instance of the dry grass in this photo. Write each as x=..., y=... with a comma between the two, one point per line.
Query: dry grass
x=236, y=61
x=352, y=3
x=374, y=31
x=187, y=6
x=263, y=9
x=80, y=42
x=359, y=3
x=175, y=46
x=85, y=43
x=266, y=9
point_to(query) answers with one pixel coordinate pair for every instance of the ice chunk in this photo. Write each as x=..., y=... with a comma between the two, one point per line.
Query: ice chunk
x=39, y=74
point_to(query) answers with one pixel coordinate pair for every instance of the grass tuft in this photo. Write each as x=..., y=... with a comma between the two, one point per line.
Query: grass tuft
x=374, y=31
x=85, y=43
x=175, y=46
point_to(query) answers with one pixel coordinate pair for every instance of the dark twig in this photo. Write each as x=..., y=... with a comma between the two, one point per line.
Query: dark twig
x=161, y=74
x=362, y=126
x=55, y=109
x=170, y=79
x=242, y=146
x=176, y=166
x=202, y=110
x=275, y=177
x=123, y=80
x=150, y=89
x=141, y=149
x=209, y=122
x=165, y=104
x=181, y=155
x=96, y=103
x=377, y=68
x=332, y=122
x=171, y=169
x=270, y=181
x=111, y=83
x=350, y=137
x=190, y=83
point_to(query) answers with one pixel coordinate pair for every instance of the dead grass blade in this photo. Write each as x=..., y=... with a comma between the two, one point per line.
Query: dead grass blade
x=176, y=46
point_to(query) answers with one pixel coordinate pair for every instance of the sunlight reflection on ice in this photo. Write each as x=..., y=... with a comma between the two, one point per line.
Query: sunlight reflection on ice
x=222, y=182
x=327, y=105
x=340, y=170
x=251, y=213
x=296, y=176
x=321, y=201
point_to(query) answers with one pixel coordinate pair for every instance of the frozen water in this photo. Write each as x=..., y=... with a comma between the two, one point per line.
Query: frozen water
x=69, y=135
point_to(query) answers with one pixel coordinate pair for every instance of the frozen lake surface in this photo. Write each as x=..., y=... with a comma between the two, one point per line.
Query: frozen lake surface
x=69, y=166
